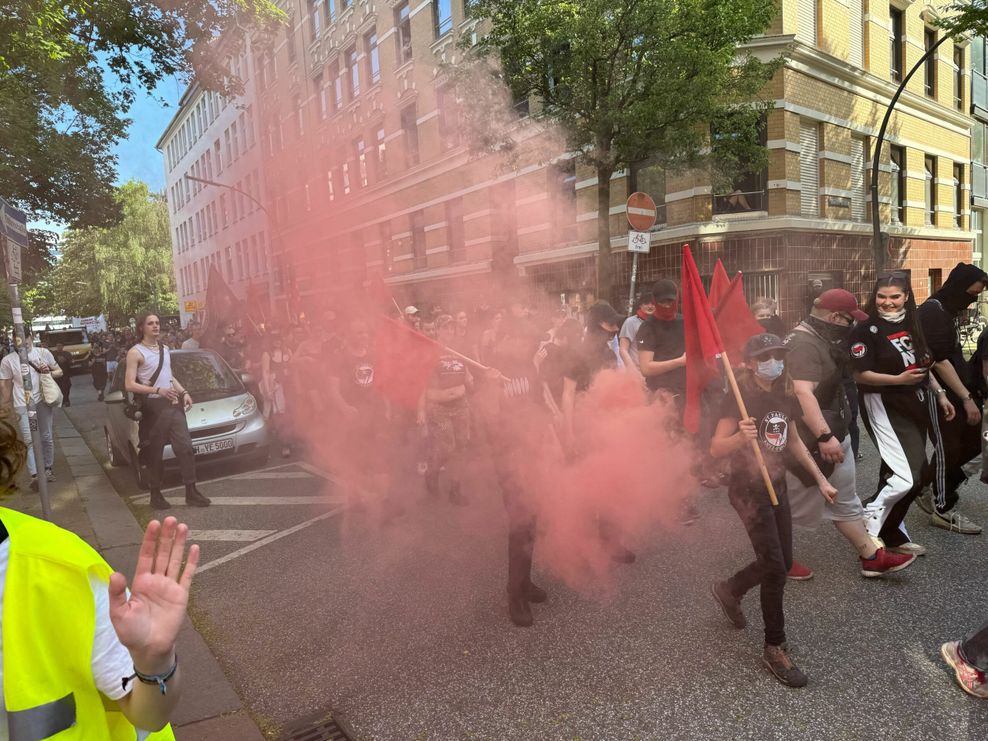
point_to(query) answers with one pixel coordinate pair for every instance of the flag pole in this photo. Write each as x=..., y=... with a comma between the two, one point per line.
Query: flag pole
x=744, y=415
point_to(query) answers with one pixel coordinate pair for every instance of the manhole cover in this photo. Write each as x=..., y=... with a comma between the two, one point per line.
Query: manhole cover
x=319, y=727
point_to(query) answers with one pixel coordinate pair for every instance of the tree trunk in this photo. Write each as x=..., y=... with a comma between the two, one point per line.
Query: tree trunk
x=605, y=279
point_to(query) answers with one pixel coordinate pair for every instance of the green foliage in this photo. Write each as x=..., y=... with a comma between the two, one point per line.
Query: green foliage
x=969, y=17
x=68, y=74
x=36, y=262
x=623, y=80
x=121, y=270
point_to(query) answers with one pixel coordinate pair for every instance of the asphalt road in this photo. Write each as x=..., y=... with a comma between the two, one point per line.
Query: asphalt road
x=402, y=630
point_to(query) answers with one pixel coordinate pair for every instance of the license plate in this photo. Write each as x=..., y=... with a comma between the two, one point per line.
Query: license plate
x=213, y=446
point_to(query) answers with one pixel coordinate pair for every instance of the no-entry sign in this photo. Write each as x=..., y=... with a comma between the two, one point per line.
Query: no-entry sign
x=641, y=212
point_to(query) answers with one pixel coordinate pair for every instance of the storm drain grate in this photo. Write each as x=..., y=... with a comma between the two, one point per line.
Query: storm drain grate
x=321, y=727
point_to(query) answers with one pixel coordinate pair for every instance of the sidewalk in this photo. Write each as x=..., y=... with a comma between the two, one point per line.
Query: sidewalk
x=83, y=500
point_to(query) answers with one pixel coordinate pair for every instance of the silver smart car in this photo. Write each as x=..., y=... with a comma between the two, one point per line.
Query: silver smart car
x=225, y=421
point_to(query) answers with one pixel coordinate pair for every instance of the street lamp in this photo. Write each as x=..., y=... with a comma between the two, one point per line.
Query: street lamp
x=877, y=246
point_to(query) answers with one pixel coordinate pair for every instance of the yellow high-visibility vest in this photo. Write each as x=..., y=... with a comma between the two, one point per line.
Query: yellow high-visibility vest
x=48, y=624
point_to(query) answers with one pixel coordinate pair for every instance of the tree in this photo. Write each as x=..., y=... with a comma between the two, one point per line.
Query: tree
x=36, y=262
x=123, y=270
x=628, y=79
x=68, y=74
x=969, y=17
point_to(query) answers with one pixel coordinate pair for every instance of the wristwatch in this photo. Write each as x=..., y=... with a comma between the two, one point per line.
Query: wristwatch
x=825, y=437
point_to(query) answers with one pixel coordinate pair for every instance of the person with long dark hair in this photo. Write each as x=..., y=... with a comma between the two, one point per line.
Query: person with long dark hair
x=900, y=402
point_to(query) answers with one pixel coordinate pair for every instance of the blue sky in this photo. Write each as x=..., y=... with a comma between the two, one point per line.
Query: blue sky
x=137, y=158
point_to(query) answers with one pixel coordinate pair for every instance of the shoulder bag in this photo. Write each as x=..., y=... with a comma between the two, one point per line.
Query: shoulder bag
x=134, y=404
x=51, y=394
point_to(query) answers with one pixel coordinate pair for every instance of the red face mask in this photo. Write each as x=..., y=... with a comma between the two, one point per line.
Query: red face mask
x=666, y=313
x=642, y=314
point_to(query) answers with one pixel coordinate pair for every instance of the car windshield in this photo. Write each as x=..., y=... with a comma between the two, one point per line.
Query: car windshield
x=205, y=376
x=64, y=337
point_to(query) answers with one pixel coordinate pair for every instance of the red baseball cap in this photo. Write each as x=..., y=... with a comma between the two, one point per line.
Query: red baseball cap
x=837, y=299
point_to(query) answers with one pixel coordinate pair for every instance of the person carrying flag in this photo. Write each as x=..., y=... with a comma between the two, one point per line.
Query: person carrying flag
x=772, y=408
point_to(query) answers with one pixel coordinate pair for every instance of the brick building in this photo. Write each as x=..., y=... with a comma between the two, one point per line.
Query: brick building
x=365, y=170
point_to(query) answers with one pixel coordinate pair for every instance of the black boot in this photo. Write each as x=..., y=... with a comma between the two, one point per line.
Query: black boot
x=519, y=610
x=158, y=501
x=195, y=498
x=620, y=554
x=535, y=594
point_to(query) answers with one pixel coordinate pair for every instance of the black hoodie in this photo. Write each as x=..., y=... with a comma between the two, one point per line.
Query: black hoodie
x=938, y=315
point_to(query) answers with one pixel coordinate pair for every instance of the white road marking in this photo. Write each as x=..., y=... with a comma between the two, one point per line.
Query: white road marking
x=250, y=501
x=245, y=475
x=316, y=470
x=229, y=535
x=270, y=539
x=256, y=475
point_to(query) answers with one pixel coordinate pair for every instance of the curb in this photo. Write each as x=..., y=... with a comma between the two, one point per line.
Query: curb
x=210, y=708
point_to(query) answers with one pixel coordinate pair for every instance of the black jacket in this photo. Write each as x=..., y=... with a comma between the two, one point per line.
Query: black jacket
x=938, y=315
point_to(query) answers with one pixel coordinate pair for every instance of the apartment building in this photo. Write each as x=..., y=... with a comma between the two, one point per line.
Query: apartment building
x=216, y=139
x=367, y=173
x=979, y=142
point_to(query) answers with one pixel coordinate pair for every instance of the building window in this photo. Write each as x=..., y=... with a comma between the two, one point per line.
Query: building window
x=315, y=18
x=454, y=230
x=299, y=115
x=290, y=42
x=562, y=199
x=330, y=11
x=345, y=172
x=250, y=126
x=931, y=189
x=322, y=93
x=331, y=184
x=930, y=66
x=859, y=197
x=809, y=169
x=227, y=148
x=958, y=194
x=898, y=182
x=442, y=16
x=449, y=116
x=224, y=214
x=344, y=4
x=381, y=161
x=360, y=157
x=807, y=21
x=353, y=72
x=418, y=240
x=385, y=230
x=897, y=40
x=409, y=127
x=403, y=33
x=650, y=178
x=337, y=82
x=373, y=57
x=958, y=78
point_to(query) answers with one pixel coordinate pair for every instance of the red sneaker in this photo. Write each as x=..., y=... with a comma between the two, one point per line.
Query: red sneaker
x=972, y=681
x=798, y=572
x=885, y=563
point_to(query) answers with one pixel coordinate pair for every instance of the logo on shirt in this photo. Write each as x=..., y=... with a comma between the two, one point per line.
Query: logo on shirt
x=363, y=375
x=774, y=431
x=859, y=350
x=903, y=342
x=451, y=365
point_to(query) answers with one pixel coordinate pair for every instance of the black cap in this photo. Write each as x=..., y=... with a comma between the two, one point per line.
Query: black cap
x=603, y=313
x=665, y=290
x=763, y=343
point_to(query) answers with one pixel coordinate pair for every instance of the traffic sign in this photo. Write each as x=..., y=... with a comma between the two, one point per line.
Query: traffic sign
x=13, y=226
x=641, y=211
x=191, y=307
x=639, y=242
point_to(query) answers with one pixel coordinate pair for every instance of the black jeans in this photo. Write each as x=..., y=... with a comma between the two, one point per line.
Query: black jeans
x=510, y=452
x=975, y=650
x=851, y=390
x=961, y=443
x=770, y=531
x=163, y=423
x=65, y=386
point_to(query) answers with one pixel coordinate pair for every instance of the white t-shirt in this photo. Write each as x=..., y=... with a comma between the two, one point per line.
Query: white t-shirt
x=111, y=662
x=190, y=344
x=10, y=370
x=629, y=330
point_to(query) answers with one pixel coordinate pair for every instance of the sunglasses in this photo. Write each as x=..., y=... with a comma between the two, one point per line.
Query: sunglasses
x=894, y=275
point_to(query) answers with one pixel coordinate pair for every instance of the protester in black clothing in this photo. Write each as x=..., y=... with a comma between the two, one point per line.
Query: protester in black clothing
x=773, y=411
x=99, y=370
x=515, y=432
x=662, y=345
x=230, y=349
x=766, y=312
x=899, y=403
x=603, y=323
x=64, y=360
x=962, y=435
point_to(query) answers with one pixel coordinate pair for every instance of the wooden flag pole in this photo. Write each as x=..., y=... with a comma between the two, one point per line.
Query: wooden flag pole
x=744, y=415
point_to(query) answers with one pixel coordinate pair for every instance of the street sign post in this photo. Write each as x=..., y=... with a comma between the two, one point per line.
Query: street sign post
x=13, y=237
x=641, y=213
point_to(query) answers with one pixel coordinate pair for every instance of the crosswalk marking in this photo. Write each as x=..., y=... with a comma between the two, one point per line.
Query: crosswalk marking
x=229, y=535
x=247, y=501
x=257, y=475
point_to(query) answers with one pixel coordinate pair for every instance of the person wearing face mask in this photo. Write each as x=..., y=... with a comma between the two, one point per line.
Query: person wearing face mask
x=961, y=435
x=817, y=363
x=773, y=411
x=766, y=312
x=900, y=402
x=602, y=325
x=644, y=308
x=661, y=343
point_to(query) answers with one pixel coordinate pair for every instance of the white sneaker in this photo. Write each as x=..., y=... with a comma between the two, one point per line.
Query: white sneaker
x=955, y=522
x=908, y=549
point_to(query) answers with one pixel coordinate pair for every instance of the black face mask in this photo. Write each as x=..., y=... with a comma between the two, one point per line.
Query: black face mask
x=834, y=333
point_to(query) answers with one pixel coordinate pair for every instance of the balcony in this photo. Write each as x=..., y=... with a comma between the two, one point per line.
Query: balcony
x=739, y=205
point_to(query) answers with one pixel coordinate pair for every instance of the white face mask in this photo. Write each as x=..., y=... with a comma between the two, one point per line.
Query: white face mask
x=895, y=317
x=770, y=369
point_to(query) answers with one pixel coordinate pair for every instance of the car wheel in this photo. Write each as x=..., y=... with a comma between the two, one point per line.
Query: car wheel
x=117, y=459
x=140, y=476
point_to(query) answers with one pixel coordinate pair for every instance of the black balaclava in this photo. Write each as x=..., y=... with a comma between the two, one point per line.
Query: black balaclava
x=953, y=295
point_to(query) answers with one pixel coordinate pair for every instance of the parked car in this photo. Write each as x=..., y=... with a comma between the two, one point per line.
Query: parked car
x=224, y=421
x=76, y=342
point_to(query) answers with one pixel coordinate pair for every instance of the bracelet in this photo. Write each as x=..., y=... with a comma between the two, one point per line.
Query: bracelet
x=940, y=391
x=158, y=679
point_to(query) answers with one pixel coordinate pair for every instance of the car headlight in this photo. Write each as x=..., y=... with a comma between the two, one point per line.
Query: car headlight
x=246, y=408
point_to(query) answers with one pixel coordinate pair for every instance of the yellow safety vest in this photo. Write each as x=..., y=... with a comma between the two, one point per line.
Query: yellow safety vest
x=47, y=626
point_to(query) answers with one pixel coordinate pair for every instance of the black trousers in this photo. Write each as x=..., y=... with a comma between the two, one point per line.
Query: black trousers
x=961, y=443
x=974, y=650
x=163, y=423
x=65, y=385
x=509, y=451
x=770, y=531
x=851, y=391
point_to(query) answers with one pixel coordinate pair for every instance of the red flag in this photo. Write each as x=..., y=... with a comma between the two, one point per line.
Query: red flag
x=222, y=307
x=734, y=320
x=719, y=285
x=703, y=342
x=404, y=361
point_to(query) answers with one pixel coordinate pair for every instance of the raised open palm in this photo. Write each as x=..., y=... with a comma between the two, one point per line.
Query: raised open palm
x=148, y=622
